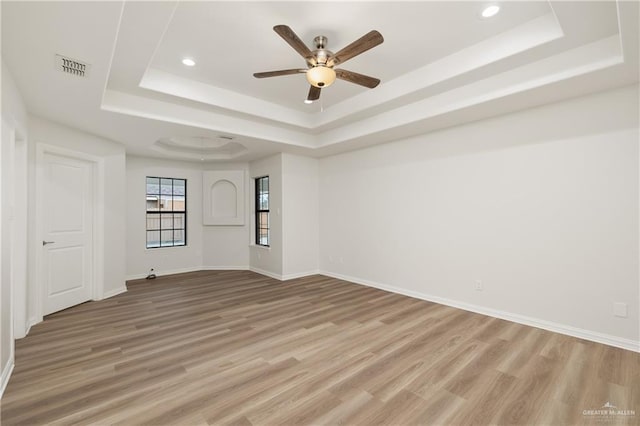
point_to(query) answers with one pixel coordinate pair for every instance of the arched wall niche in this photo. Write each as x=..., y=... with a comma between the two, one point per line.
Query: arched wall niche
x=223, y=197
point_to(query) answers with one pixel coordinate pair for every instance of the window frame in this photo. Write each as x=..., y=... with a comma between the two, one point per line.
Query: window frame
x=258, y=211
x=160, y=212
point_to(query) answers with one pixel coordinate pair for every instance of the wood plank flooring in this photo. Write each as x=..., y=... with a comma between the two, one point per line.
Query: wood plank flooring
x=235, y=347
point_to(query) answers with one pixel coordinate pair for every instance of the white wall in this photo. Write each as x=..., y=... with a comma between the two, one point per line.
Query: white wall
x=13, y=108
x=294, y=240
x=112, y=154
x=227, y=247
x=264, y=260
x=12, y=221
x=166, y=259
x=293, y=218
x=208, y=247
x=540, y=205
x=300, y=226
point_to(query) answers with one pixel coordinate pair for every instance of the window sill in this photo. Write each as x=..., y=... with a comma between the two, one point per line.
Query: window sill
x=147, y=249
x=260, y=247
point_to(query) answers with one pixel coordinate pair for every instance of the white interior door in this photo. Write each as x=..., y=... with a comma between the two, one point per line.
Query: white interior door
x=66, y=213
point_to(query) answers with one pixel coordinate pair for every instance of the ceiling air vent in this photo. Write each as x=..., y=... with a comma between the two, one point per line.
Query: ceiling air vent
x=72, y=66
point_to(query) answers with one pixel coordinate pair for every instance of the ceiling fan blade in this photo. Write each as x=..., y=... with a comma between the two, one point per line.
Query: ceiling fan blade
x=294, y=41
x=277, y=73
x=364, y=43
x=314, y=93
x=354, y=77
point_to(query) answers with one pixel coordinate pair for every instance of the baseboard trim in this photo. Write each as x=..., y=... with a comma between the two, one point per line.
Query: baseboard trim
x=269, y=274
x=6, y=374
x=185, y=270
x=580, y=333
x=135, y=277
x=299, y=275
x=30, y=323
x=265, y=273
x=225, y=268
x=163, y=273
x=281, y=277
x=114, y=292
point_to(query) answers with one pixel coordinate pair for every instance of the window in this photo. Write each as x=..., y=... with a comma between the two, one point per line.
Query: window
x=166, y=212
x=262, y=211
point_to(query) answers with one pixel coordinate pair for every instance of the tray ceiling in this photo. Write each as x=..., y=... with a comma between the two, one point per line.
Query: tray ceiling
x=441, y=64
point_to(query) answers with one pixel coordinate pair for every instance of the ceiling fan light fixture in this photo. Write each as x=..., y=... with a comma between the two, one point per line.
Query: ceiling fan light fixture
x=308, y=101
x=321, y=76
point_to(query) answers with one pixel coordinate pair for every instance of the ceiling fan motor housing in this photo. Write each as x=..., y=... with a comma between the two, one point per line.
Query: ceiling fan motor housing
x=320, y=74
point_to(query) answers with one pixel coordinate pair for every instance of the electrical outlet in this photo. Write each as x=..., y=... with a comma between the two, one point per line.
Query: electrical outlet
x=479, y=285
x=342, y=260
x=258, y=255
x=330, y=259
x=620, y=310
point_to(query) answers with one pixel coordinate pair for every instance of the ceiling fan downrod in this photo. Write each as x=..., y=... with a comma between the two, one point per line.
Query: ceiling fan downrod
x=321, y=55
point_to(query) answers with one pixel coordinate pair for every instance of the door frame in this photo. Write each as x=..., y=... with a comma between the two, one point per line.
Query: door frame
x=20, y=239
x=97, y=275
x=6, y=369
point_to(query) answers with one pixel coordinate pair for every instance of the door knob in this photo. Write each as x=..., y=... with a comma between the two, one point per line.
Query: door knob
x=44, y=243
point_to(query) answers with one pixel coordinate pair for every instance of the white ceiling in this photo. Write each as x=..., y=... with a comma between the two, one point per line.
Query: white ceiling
x=421, y=37
x=441, y=64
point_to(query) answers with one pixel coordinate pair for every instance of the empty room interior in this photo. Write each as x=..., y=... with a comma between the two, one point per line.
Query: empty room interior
x=320, y=213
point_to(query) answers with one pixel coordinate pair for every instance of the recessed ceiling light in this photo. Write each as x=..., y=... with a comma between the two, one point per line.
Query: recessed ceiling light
x=308, y=101
x=188, y=62
x=490, y=11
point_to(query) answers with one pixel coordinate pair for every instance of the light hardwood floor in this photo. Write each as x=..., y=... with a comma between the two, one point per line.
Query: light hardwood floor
x=238, y=348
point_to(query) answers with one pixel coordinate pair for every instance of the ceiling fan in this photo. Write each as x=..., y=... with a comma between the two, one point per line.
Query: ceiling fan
x=321, y=71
